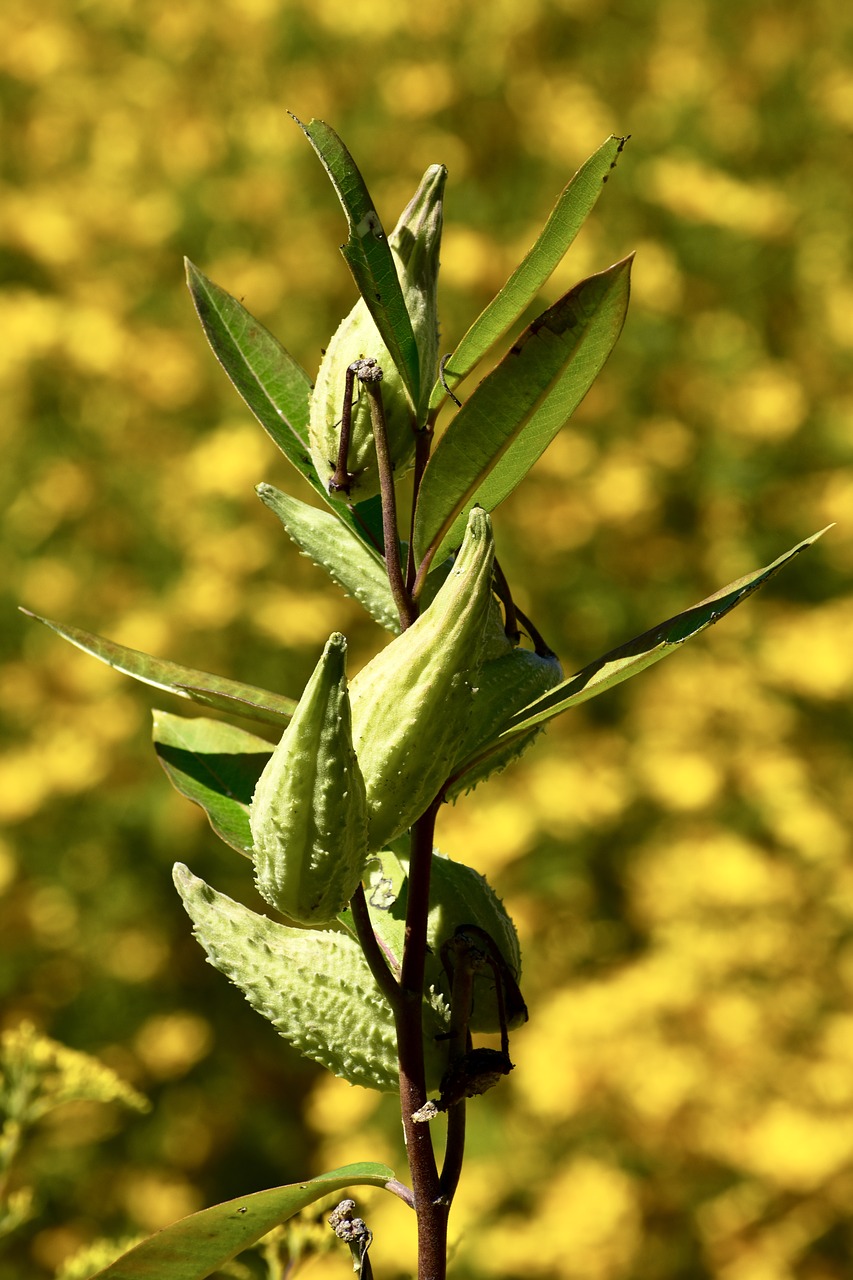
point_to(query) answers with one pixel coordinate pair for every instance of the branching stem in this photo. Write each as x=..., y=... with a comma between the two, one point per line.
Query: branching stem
x=510, y=612
x=406, y=608
x=431, y=1208
x=340, y=479
x=423, y=448
x=373, y=953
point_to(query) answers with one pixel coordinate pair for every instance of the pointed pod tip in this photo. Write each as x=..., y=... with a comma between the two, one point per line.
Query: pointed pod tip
x=337, y=642
x=182, y=876
x=479, y=522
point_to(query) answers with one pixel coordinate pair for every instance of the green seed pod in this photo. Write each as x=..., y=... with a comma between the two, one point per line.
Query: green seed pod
x=313, y=985
x=414, y=245
x=459, y=896
x=309, y=813
x=411, y=704
x=505, y=685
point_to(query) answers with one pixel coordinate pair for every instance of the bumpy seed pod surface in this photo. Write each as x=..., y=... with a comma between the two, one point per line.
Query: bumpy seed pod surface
x=504, y=686
x=313, y=985
x=414, y=247
x=459, y=895
x=309, y=812
x=411, y=704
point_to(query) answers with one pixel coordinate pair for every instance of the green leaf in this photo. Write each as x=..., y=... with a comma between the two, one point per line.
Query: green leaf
x=273, y=385
x=565, y=221
x=216, y=765
x=515, y=412
x=384, y=889
x=367, y=253
x=644, y=650
x=357, y=569
x=199, y=686
x=199, y=1245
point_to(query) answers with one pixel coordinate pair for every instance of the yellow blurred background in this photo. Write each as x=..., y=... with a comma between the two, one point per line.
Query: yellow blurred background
x=677, y=853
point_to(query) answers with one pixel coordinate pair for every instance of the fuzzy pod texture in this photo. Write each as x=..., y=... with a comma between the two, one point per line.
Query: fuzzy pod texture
x=412, y=703
x=414, y=245
x=313, y=985
x=309, y=811
x=505, y=685
x=458, y=896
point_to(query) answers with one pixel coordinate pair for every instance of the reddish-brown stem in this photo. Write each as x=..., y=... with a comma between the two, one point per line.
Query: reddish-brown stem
x=406, y=607
x=542, y=649
x=373, y=953
x=423, y=446
x=423, y=570
x=430, y=1206
x=340, y=479
x=510, y=612
x=461, y=1001
x=454, y=1152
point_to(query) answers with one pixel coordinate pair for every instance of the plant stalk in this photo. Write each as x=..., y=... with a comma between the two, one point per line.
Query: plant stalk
x=430, y=1206
x=340, y=479
x=406, y=607
x=373, y=953
x=423, y=448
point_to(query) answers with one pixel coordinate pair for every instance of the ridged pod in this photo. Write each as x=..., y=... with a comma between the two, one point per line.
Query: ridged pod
x=459, y=895
x=313, y=985
x=309, y=812
x=414, y=245
x=412, y=703
x=505, y=685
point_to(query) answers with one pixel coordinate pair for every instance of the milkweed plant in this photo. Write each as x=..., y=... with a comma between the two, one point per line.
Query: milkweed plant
x=383, y=959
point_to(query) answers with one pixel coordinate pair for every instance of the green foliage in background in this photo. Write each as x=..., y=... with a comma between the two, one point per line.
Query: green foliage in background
x=678, y=851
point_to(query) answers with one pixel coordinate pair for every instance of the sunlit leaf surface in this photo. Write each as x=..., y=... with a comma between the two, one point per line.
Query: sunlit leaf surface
x=197, y=1246
x=567, y=217
x=199, y=686
x=514, y=414
x=216, y=765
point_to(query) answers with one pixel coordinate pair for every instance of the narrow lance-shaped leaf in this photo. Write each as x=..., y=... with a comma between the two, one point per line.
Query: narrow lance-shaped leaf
x=274, y=386
x=186, y=682
x=197, y=1246
x=644, y=650
x=216, y=765
x=515, y=412
x=565, y=221
x=356, y=568
x=367, y=253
